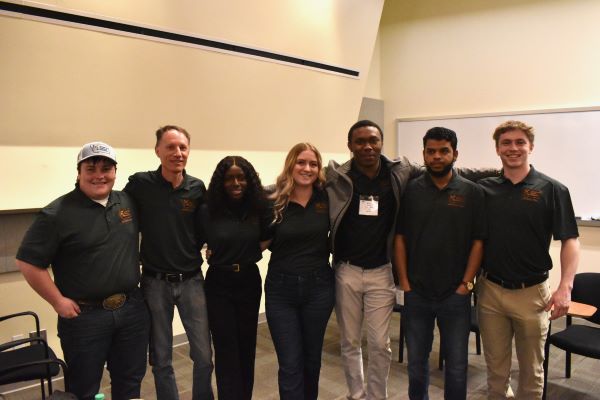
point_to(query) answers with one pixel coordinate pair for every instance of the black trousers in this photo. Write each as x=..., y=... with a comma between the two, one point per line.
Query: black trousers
x=233, y=301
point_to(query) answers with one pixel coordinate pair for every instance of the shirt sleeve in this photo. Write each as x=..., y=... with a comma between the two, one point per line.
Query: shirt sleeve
x=564, y=222
x=201, y=222
x=480, y=228
x=130, y=188
x=41, y=242
x=401, y=219
x=267, y=228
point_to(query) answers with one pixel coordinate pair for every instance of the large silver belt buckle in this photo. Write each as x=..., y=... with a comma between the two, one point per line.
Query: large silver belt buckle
x=114, y=302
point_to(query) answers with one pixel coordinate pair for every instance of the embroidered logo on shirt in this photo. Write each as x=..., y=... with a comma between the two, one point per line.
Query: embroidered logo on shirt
x=188, y=205
x=531, y=195
x=456, y=200
x=321, y=207
x=125, y=215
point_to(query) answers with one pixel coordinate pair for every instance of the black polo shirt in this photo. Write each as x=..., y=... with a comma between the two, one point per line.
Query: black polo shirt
x=300, y=241
x=522, y=218
x=168, y=217
x=93, y=249
x=233, y=236
x=362, y=239
x=440, y=226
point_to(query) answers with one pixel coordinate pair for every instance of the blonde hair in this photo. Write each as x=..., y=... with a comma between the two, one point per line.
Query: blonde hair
x=285, y=185
x=513, y=125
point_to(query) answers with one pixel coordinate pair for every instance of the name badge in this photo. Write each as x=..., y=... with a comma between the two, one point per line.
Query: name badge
x=369, y=205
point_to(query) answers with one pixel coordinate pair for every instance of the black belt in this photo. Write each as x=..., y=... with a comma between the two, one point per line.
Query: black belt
x=512, y=284
x=171, y=276
x=232, y=267
x=110, y=303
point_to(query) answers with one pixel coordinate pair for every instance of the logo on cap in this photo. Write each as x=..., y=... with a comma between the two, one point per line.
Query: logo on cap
x=95, y=149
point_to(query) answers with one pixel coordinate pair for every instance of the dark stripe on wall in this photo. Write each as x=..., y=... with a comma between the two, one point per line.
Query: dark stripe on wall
x=176, y=37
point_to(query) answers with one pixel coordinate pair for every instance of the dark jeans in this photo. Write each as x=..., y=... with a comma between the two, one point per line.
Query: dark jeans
x=453, y=316
x=188, y=296
x=233, y=300
x=298, y=309
x=119, y=338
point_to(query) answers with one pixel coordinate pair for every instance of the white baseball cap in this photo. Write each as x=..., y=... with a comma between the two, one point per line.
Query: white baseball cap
x=96, y=149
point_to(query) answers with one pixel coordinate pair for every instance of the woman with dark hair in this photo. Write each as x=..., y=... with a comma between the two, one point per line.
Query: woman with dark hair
x=234, y=221
x=299, y=288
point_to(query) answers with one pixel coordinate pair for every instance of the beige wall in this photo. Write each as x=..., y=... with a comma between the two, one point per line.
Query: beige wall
x=63, y=86
x=467, y=57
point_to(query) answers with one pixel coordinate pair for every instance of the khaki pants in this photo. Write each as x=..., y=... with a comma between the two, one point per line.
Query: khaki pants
x=367, y=294
x=519, y=313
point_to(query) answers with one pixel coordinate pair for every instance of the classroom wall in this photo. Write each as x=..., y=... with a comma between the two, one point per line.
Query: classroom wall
x=468, y=57
x=63, y=86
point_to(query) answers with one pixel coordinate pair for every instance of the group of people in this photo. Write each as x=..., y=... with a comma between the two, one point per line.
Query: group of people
x=434, y=224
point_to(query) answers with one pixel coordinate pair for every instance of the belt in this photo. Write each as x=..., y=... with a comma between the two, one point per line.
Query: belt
x=171, y=276
x=110, y=303
x=512, y=284
x=232, y=267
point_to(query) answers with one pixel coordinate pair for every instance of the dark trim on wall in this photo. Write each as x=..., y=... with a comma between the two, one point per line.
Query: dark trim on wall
x=150, y=33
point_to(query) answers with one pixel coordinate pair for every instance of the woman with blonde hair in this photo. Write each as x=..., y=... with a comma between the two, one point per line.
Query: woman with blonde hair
x=299, y=288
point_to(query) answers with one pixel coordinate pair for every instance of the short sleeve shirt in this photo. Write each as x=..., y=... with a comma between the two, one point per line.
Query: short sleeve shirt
x=522, y=219
x=168, y=218
x=234, y=235
x=300, y=243
x=440, y=226
x=93, y=250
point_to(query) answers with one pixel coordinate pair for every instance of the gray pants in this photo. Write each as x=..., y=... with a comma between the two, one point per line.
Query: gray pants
x=369, y=295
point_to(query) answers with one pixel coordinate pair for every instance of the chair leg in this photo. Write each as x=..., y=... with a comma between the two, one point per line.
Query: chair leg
x=401, y=341
x=441, y=358
x=546, y=358
x=567, y=364
x=43, y=388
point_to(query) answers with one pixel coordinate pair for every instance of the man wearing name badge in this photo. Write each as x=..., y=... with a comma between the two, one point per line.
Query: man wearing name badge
x=90, y=238
x=364, y=195
x=168, y=200
x=525, y=208
x=438, y=250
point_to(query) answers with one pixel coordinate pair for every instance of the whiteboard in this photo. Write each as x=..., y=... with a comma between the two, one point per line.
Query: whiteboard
x=566, y=147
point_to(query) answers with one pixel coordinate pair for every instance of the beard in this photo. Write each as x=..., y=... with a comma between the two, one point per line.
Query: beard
x=443, y=172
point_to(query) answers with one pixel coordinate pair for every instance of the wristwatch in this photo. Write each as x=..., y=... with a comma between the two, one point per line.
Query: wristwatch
x=468, y=285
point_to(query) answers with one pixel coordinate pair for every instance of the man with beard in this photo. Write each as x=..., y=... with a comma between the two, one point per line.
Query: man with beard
x=438, y=250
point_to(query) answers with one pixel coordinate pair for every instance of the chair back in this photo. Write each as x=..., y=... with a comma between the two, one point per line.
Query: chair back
x=586, y=289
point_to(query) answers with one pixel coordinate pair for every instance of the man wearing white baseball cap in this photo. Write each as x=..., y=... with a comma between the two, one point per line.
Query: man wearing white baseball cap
x=89, y=237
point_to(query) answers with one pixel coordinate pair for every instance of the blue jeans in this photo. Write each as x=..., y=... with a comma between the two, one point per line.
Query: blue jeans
x=119, y=338
x=298, y=309
x=162, y=297
x=453, y=316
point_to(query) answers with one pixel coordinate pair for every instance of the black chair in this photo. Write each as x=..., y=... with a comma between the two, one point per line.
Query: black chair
x=33, y=360
x=579, y=339
x=399, y=308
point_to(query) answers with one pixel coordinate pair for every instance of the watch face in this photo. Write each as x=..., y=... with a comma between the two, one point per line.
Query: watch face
x=469, y=285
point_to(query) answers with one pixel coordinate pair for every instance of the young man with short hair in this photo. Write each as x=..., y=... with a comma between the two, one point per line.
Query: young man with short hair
x=90, y=238
x=524, y=208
